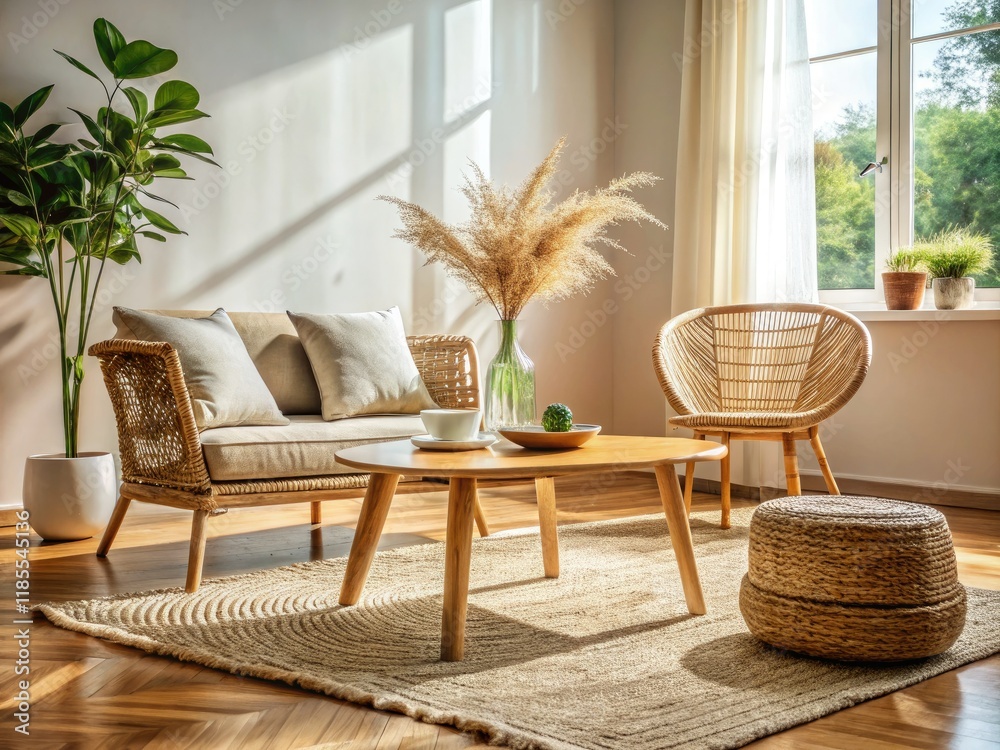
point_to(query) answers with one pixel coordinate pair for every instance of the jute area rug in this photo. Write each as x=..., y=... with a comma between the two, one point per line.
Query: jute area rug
x=606, y=656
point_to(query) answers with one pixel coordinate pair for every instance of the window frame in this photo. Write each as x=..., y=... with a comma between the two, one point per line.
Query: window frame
x=894, y=139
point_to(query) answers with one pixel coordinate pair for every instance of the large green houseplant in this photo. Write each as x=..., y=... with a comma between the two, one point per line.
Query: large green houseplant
x=69, y=208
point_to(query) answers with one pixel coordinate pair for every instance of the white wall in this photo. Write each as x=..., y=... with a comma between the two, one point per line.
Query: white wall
x=317, y=107
x=647, y=90
x=928, y=412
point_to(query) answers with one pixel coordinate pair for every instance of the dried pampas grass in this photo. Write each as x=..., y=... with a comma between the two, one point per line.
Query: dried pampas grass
x=514, y=247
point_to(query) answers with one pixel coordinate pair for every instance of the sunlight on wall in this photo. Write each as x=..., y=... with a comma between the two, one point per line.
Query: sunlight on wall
x=468, y=65
x=298, y=147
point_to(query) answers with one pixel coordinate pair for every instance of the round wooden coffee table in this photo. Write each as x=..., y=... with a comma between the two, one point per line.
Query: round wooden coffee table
x=388, y=461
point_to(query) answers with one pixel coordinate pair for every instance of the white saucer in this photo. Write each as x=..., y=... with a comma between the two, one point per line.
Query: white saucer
x=429, y=443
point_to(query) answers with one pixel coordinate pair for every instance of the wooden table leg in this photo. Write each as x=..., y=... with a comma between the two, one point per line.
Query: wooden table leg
x=374, y=509
x=458, y=551
x=481, y=524
x=680, y=536
x=545, y=493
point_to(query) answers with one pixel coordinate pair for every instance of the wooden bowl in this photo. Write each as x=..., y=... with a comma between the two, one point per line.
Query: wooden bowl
x=536, y=438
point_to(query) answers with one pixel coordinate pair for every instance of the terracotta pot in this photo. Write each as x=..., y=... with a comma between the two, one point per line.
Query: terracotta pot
x=69, y=498
x=954, y=294
x=904, y=290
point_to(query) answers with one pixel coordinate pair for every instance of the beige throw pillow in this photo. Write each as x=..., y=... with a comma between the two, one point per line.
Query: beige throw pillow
x=362, y=363
x=226, y=389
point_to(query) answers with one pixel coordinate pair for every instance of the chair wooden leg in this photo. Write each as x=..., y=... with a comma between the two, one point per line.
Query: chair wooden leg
x=315, y=513
x=196, y=556
x=689, y=478
x=725, y=474
x=484, y=528
x=121, y=508
x=824, y=465
x=791, y=464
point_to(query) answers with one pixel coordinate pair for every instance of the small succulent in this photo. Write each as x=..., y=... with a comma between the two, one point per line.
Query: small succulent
x=557, y=418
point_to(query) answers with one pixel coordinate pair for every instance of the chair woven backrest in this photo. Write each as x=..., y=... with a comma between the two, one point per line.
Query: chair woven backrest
x=761, y=358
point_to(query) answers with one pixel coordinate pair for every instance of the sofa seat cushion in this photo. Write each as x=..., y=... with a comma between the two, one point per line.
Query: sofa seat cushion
x=303, y=448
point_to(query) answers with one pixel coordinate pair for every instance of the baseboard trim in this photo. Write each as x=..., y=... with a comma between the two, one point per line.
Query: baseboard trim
x=953, y=498
x=8, y=514
x=714, y=487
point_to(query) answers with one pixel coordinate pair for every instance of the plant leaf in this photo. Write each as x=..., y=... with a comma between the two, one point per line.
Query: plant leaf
x=186, y=143
x=173, y=117
x=18, y=198
x=45, y=132
x=184, y=151
x=6, y=116
x=47, y=154
x=153, y=236
x=22, y=226
x=138, y=100
x=109, y=42
x=30, y=105
x=159, y=221
x=96, y=131
x=141, y=59
x=176, y=95
x=163, y=161
x=172, y=174
x=78, y=65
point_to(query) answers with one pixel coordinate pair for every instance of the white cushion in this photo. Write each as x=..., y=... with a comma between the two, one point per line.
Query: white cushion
x=303, y=448
x=362, y=363
x=225, y=387
x=274, y=347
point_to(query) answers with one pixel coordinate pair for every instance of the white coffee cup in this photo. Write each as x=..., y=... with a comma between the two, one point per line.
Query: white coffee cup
x=451, y=424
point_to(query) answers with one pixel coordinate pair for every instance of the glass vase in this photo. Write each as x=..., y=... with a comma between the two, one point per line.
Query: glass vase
x=510, y=383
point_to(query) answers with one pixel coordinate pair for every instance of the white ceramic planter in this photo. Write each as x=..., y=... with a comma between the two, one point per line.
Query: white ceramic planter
x=69, y=498
x=954, y=294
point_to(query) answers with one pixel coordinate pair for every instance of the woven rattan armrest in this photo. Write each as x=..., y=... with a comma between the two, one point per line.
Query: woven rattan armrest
x=157, y=435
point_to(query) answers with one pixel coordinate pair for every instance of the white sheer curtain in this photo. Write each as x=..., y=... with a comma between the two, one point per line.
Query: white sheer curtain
x=745, y=217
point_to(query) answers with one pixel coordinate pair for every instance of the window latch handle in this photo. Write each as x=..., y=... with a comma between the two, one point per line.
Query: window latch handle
x=874, y=167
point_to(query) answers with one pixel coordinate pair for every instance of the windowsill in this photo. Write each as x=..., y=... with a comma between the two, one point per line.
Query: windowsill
x=875, y=311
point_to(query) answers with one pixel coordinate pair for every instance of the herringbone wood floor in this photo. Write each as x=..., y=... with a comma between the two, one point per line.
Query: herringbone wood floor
x=91, y=694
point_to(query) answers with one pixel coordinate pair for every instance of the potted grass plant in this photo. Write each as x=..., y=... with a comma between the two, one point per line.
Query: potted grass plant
x=67, y=209
x=905, y=279
x=516, y=247
x=953, y=257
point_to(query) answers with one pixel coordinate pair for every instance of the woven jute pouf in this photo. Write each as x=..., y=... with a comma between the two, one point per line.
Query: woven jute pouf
x=852, y=578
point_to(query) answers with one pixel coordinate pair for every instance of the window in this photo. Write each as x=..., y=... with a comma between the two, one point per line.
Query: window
x=918, y=82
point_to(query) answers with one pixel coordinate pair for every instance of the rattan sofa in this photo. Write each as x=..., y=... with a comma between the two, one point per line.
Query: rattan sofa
x=166, y=461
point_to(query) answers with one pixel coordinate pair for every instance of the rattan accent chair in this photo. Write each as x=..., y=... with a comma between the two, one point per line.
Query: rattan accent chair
x=161, y=452
x=761, y=372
